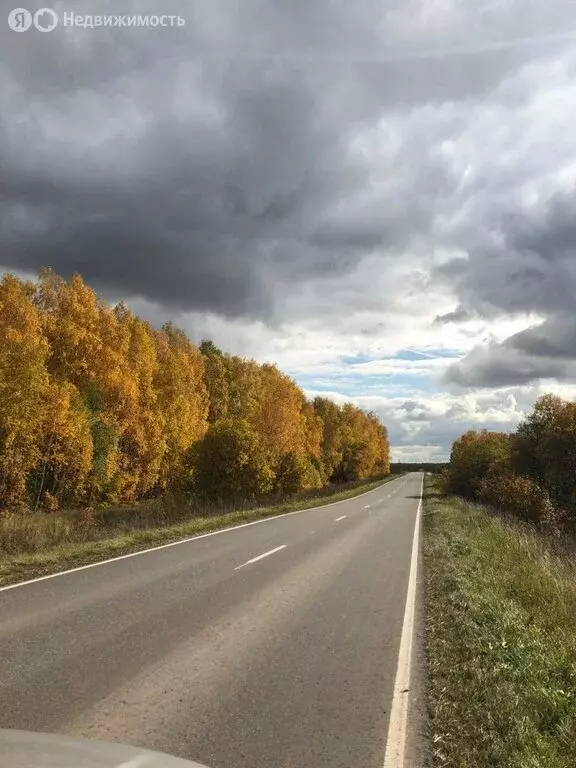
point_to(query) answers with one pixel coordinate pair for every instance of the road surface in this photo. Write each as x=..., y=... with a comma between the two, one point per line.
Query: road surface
x=272, y=645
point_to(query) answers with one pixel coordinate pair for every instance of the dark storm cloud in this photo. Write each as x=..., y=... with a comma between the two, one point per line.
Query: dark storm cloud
x=209, y=167
x=416, y=411
x=534, y=270
x=544, y=352
x=459, y=315
x=531, y=268
x=501, y=366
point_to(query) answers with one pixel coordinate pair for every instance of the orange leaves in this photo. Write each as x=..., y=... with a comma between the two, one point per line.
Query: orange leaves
x=66, y=447
x=71, y=322
x=517, y=495
x=23, y=387
x=216, y=378
x=277, y=415
x=182, y=399
x=96, y=404
x=354, y=445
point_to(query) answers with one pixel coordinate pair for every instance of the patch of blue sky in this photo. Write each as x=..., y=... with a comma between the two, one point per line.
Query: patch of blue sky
x=414, y=354
x=390, y=385
x=355, y=359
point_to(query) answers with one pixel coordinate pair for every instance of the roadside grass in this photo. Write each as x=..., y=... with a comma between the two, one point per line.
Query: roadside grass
x=38, y=544
x=501, y=641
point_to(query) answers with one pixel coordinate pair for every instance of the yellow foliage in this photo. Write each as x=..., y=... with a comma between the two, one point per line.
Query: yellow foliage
x=95, y=404
x=182, y=399
x=66, y=446
x=216, y=378
x=23, y=387
x=231, y=463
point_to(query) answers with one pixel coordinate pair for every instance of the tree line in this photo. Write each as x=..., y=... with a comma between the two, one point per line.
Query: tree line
x=530, y=473
x=97, y=405
x=434, y=467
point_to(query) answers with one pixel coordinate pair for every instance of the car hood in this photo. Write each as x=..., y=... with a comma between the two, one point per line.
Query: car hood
x=25, y=749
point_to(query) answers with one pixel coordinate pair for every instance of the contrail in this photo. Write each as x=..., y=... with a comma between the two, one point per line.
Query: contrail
x=424, y=354
x=392, y=56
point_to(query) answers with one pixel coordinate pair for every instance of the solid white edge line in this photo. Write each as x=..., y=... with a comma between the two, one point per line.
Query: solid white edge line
x=340, y=518
x=187, y=540
x=136, y=762
x=260, y=557
x=396, y=741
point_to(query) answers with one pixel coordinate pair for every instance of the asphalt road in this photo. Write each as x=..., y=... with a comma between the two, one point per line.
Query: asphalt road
x=211, y=651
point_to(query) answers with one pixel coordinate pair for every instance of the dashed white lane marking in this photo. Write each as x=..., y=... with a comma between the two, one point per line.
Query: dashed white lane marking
x=340, y=518
x=396, y=741
x=187, y=540
x=367, y=506
x=260, y=557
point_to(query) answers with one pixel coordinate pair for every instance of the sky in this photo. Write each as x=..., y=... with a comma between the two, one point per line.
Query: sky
x=379, y=197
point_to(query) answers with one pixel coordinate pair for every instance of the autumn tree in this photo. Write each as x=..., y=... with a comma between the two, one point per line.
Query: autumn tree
x=23, y=388
x=231, y=463
x=96, y=405
x=544, y=449
x=276, y=415
x=65, y=449
x=71, y=320
x=182, y=400
x=88, y=348
x=294, y=472
x=359, y=452
x=474, y=455
x=207, y=347
x=332, y=439
x=244, y=388
x=216, y=378
x=142, y=443
x=517, y=495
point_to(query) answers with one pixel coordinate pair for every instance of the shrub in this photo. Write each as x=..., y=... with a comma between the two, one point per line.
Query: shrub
x=519, y=496
x=230, y=463
x=473, y=456
x=294, y=473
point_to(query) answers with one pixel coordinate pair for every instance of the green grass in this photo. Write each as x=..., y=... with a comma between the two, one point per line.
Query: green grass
x=501, y=641
x=38, y=544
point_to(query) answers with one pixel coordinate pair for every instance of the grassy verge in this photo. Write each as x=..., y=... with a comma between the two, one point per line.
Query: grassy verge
x=501, y=641
x=59, y=542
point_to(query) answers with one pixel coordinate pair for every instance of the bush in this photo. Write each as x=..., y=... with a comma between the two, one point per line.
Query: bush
x=231, y=463
x=473, y=457
x=519, y=496
x=294, y=473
